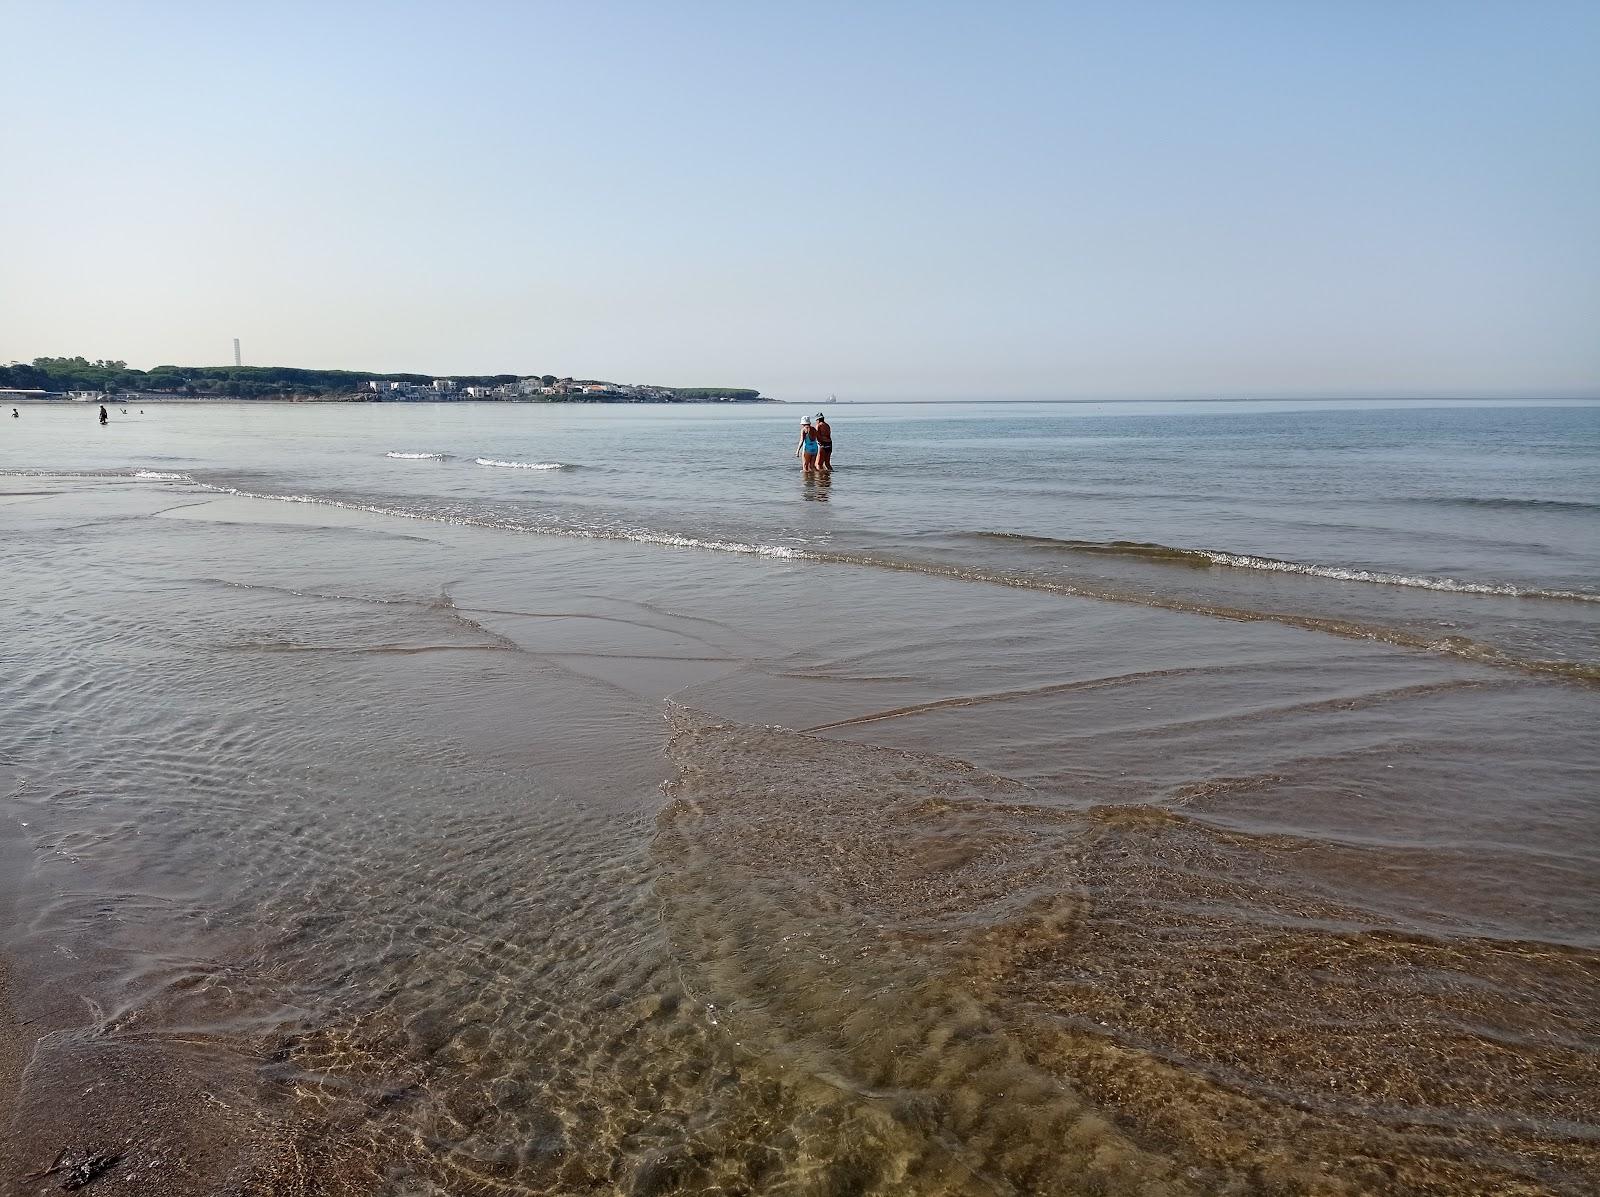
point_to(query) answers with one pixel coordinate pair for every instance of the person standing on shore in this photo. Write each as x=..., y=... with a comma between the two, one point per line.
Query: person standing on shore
x=824, y=444
x=806, y=450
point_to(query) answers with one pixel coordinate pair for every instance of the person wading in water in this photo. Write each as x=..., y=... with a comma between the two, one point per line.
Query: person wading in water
x=824, y=444
x=806, y=450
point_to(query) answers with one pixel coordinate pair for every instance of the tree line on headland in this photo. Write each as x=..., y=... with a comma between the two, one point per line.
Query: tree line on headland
x=61, y=374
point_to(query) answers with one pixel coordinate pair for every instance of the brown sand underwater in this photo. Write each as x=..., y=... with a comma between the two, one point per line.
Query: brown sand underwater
x=353, y=855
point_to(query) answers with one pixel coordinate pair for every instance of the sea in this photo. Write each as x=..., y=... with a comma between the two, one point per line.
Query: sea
x=1069, y=798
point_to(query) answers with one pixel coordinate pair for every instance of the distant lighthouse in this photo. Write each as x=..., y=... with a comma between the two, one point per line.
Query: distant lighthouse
x=236, y=359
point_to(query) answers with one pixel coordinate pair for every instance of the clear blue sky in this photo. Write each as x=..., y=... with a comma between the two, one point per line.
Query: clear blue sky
x=875, y=199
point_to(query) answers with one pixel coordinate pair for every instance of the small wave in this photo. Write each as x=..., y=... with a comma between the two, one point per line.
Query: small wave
x=1507, y=504
x=418, y=456
x=1107, y=548
x=781, y=552
x=160, y=476
x=1202, y=558
x=1345, y=573
x=523, y=465
x=634, y=535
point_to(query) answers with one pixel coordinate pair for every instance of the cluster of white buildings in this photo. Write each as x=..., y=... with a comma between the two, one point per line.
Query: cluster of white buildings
x=439, y=388
x=524, y=388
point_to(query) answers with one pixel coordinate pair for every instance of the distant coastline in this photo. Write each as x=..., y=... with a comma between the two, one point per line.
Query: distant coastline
x=77, y=378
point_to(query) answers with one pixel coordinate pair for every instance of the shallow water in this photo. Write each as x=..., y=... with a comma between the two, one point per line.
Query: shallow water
x=378, y=854
x=1466, y=528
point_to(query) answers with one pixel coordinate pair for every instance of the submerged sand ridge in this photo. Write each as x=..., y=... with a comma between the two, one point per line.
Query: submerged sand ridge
x=1105, y=1002
x=351, y=873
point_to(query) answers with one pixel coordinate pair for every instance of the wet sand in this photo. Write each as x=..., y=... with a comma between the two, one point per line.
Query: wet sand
x=378, y=856
x=16, y=1039
x=16, y=1045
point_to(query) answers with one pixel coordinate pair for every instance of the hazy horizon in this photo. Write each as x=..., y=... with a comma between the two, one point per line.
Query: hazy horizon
x=1158, y=201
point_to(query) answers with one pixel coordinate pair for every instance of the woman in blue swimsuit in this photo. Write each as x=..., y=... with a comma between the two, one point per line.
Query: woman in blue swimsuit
x=806, y=450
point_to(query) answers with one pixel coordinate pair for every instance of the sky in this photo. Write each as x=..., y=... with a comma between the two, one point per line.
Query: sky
x=874, y=200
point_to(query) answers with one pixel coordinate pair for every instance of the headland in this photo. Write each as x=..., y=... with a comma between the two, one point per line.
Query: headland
x=103, y=380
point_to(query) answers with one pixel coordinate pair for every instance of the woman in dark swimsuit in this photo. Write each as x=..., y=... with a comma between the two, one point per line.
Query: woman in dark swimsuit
x=824, y=444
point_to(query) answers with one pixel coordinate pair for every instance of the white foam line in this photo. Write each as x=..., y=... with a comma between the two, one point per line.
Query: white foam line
x=635, y=536
x=522, y=465
x=417, y=456
x=159, y=476
x=1342, y=573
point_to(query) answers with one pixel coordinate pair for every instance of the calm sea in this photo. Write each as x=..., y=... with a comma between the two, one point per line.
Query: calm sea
x=1059, y=798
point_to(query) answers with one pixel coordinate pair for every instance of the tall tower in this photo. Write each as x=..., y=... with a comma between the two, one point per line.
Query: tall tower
x=236, y=360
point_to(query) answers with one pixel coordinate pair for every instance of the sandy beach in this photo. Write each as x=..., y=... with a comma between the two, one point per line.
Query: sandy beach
x=16, y=1044
x=16, y=1040
x=371, y=854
